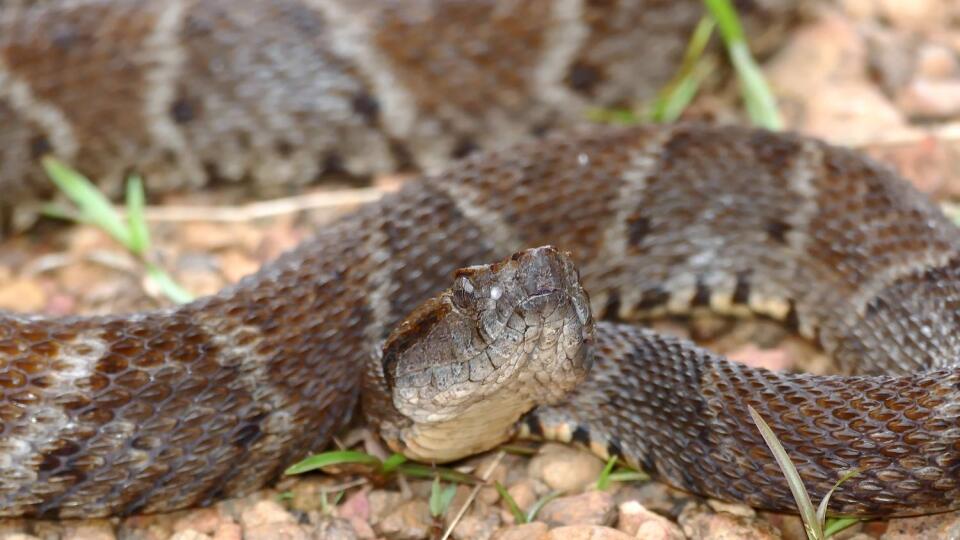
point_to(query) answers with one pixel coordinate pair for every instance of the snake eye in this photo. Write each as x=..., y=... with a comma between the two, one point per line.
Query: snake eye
x=463, y=293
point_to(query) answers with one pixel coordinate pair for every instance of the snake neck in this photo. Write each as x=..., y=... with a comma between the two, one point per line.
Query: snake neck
x=481, y=427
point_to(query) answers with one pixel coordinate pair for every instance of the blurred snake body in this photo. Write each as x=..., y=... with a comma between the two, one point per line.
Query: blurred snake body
x=158, y=411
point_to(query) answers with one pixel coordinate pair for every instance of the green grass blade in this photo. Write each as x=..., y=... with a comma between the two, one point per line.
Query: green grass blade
x=833, y=526
x=511, y=504
x=60, y=211
x=726, y=17
x=440, y=498
x=760, y=103
x=392, y=463
x=613, y=116
x=537, y=506
x=327, y=506
x=807, y=513
x=94, y=207
x=699, y=41
x=417, y=470
x=694, y=69
x=326, y=459
x=170, y=288
x=678, y=98
x=822, y=507
x=603, y=482
x=627, y=475
x=136, y=218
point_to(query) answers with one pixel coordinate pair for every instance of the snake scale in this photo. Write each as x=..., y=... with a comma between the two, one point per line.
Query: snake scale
x=152, y=412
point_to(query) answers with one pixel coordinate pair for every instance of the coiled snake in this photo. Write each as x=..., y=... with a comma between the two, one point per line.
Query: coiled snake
x=157, y=411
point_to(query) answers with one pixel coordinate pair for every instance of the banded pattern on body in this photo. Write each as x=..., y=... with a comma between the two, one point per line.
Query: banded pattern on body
x=284, y=92
x=657, y=219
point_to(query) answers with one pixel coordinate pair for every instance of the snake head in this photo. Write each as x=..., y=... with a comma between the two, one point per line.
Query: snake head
x=506, y=337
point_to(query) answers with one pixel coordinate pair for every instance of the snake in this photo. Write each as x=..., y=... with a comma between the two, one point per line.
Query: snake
x=494, y=298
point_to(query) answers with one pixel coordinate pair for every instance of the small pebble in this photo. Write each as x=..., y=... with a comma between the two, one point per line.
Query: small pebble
x=945, y=525
x=526, y=531
x=698, y=521
x=586, y=532
x=565, y=468
x=411, y=520
x=639, y=522
x=591, y=508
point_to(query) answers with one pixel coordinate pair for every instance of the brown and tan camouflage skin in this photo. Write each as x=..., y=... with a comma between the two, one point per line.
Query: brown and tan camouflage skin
x=282, y=92
x=157, y=411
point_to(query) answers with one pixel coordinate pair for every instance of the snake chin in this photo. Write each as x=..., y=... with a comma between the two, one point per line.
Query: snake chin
x=503, y=339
